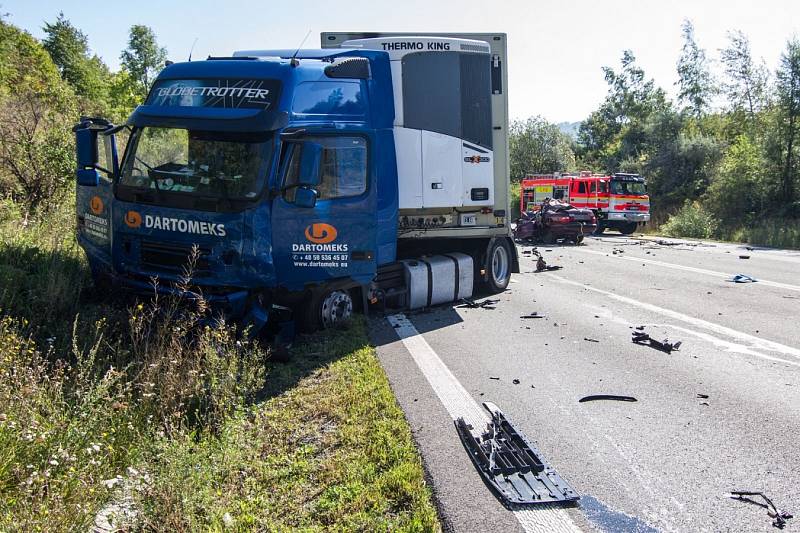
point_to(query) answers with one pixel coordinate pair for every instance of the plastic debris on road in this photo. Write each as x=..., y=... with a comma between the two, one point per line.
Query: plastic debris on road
x=612, y=397
x=640, y=337
x=469, y=303
x=510, y=464
x=779, y=516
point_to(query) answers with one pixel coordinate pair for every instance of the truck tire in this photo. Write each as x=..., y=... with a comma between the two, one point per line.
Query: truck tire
x=328, y=308
x=498, y=266
x=628, y=228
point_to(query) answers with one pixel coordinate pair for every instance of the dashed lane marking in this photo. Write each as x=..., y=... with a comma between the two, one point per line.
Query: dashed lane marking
x=717, y=274
x=755, y=342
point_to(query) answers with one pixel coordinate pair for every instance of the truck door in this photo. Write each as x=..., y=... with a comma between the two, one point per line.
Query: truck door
x=323, y=217
x=97, y=164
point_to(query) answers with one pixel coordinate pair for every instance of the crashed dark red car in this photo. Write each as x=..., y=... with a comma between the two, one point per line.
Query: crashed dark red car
x=554, y=221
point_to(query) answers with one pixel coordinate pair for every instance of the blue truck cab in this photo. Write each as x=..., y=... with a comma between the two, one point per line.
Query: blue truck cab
x=273, y=180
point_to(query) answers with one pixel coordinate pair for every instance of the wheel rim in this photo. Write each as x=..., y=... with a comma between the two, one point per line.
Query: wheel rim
x=337, y=307
x=500, y=265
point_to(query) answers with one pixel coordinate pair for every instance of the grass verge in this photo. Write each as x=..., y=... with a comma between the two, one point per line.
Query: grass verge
x=329, y=450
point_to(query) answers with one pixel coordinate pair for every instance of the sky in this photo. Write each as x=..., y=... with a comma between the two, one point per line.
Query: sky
x=556, y=49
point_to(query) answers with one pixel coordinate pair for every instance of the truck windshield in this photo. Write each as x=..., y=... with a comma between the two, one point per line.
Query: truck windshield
x=628, y=187
x=199, y=163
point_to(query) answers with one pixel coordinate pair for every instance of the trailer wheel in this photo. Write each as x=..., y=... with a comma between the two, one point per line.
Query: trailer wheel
x=628, y=228
x=498, y=266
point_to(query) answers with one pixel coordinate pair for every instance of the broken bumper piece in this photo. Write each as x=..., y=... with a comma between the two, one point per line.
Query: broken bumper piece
x=511, y=465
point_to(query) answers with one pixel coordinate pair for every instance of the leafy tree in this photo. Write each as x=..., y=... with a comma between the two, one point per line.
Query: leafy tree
x=695, y=85
x=737, y=190
x=537, y=146
x=788, y=96
x=745, y=81
x=86, y=73
x=614, y=133
x=37, y=109
x=678, y=162
x=143, y=58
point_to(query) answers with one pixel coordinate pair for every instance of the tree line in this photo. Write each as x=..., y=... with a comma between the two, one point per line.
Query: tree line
x=45, y=86
x=723, y=153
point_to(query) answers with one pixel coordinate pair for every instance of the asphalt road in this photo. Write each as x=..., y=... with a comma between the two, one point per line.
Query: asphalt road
x=666, y=462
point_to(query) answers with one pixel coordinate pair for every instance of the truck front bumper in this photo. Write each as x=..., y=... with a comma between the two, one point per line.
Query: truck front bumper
x=629, y=217
x=245, y=306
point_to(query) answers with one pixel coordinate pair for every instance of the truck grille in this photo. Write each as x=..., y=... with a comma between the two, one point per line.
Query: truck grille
x=174, y=258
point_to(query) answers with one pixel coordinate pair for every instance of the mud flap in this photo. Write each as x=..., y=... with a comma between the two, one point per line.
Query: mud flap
x=511, y=465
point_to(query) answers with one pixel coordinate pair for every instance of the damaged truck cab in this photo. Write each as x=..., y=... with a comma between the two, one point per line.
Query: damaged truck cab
x=287, y=184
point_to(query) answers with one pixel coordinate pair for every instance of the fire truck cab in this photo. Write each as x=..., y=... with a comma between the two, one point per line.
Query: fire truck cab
x=619, y=201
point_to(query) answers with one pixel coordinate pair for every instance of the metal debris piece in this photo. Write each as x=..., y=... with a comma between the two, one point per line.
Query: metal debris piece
x=533, y=315
x=742, y=278
x=703, y=396
x=472, y=304
x=541, y=264
x=613, y=397
x=779, y=516
x=510, y=464
x=515, y=382
x=744, y=257
x=640, y=337
x=590, y=340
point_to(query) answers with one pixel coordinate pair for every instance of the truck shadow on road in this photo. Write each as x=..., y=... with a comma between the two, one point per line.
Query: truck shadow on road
x=425, y=320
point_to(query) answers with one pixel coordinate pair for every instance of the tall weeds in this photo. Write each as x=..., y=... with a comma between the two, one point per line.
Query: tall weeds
x=84, y=400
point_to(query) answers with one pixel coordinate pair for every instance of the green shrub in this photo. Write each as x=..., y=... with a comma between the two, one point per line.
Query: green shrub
x=692, y=221
x=780, y=233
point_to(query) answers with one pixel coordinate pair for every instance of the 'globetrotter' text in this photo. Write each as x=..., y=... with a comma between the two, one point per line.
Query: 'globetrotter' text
x=240, y=92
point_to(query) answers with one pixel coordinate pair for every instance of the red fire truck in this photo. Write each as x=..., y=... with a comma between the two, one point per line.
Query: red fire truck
x=619, y=201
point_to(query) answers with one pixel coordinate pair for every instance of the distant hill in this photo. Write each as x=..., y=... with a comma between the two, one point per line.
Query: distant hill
x=569, y=128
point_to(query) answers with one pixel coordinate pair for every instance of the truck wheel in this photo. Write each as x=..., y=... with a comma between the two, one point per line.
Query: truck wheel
x=628, y=228
x=498, y=266
x=328, y=309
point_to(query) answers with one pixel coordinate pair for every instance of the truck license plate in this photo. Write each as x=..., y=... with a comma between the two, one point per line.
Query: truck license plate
x=468, y=220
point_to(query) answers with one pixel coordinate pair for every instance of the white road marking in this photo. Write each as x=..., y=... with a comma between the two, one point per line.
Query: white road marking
x=720, y=275
x=755, y=342
x=459, y=403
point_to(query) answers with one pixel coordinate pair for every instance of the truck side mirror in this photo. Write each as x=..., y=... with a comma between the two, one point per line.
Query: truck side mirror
x=86, y=152
x=305, y=197
x=310, y=163
x=88, y=135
